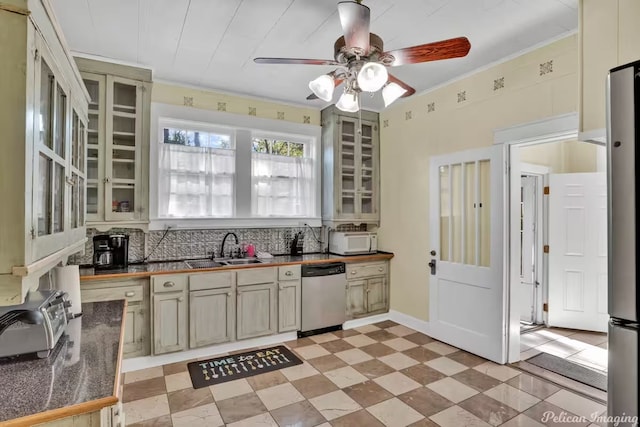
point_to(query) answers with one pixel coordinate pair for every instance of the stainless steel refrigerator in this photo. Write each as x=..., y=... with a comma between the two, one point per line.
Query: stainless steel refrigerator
x=623, y=152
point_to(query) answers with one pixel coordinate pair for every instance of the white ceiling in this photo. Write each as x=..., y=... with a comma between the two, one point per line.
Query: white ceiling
x=211, y=43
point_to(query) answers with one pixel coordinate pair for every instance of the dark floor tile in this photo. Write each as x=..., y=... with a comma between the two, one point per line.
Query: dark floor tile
x=488, y=409
x=425, y=401
x=373, y=368
x=176, y=368
x=386, y=324
x=313, y=386
x=421, y=354
x=188, y=398
x=346, y=333
x=302, y=342
x=143, y=389
x=270, y=379
x=240, y=407
x=466, y=359
x=476, y=380
x=381, y=335
x=534, y=386
x=301, y=414
x=336, y=346
x=367, y=393
x=537, y=412
x=418, y=338
x=360, y=418
x=164, y=421
x=423, y=374
x=377, y=350
x=425, y=422
x=327, y=363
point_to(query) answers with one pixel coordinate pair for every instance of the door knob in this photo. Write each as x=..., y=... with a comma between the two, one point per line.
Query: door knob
x=432, y=266
x=433, y=253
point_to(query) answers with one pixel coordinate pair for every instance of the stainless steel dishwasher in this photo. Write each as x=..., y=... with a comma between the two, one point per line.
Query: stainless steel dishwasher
x=324, y=297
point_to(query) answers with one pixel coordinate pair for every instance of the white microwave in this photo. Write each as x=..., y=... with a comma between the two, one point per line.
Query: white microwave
x=353, y=243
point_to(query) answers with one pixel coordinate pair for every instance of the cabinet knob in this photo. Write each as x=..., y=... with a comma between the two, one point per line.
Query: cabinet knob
x=289, y=273
x=129, y=294
x=180, y=299
x=281, y=287
x=169, y=284
x=228, y=294
x=353, y=272
x=380, y=269
x=368, y=290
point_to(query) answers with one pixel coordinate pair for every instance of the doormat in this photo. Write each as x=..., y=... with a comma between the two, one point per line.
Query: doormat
x=229, y=368
x=569, y=369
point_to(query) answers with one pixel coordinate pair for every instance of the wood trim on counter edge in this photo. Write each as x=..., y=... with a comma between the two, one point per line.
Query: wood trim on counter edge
x=80, y=408
x=141, y=274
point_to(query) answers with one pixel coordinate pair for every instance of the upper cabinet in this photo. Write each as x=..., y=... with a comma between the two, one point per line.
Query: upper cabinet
x=118, y=144
x=44, y=117
x=350, y=147
x=609, y=36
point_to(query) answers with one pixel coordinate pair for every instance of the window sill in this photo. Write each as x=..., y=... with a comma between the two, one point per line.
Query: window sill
x=223, y=223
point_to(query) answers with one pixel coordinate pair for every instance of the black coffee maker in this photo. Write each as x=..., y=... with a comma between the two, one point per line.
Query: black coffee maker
x=110, y=251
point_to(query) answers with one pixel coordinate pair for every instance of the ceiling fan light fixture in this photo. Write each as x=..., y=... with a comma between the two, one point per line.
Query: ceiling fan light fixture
x=323, y=87
x=348, y=102
x=372, y=77
x=391, y=92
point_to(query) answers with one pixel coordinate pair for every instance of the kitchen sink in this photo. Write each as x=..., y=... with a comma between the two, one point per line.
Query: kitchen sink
x=204, y=263
x=242, y=261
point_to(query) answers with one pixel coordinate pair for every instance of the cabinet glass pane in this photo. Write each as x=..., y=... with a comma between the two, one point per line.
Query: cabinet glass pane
x=124, y=97
x=123, y=198
x=124, y=169
x=81, y=207
x=46, y=103
x=484, y=224
x=75, y=143
x=74, y=202
x=348, y=131
x=124, y=130
x=92, y=199
x=445, y=213
x=58, y=198
x=348, y=203
x=60, y=120
x=92, y=162
x=44, y=196
x=93, y=87
x=82, y=146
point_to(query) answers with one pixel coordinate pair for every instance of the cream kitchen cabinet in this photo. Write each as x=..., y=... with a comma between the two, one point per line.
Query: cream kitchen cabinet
x=367, y=289
x=43, y=117
x=170, y=313
x=350, y=147
x=212, y=308
x=257, y=303
x=118, y=144
x=289, y=298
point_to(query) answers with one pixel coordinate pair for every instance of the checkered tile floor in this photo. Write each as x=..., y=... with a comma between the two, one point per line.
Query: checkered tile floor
x=377, y=375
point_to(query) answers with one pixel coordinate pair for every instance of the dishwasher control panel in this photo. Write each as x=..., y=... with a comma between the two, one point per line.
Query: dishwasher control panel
x=328, y=269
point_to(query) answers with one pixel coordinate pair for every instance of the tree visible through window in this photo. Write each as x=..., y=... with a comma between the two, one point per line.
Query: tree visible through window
x=192, y=138
x=278, y=147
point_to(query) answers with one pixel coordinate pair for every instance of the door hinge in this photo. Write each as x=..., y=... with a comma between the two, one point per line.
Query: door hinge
x=33, y=233
x=36, y=54
x=546, y=190
x=545, y=249
x=545, y=307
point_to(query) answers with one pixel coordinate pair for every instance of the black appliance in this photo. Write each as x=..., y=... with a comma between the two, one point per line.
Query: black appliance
x=297, y=244
x=110, y=251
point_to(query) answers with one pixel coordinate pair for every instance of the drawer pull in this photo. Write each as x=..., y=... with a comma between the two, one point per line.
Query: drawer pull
x=289, y=273
x=380, y=269
x=169, y=284
x=129, y=294
x=281, y=288
x=368, y=290
x=228, y=294
x=180, y=299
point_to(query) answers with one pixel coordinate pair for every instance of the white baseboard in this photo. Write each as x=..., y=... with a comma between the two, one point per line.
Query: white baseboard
x=410, y=321
x=356, y=323
x=137, y=363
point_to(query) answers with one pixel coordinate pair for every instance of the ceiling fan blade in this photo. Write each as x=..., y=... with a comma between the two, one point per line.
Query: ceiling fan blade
x=355, y=19
x=444, y=49
x=410, y=91
x=302, y=61
x=336, y=82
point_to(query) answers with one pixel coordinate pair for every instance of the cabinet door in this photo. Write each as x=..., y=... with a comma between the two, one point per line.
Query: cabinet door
x=95, y=173
x=133, y=329
x=257, y=310
x=289, y=304
x=376, y=294
x=169, y=322
x=78, y=175
x=356, y=301
x=346, y=171
x=211, y=317
x=367, y=173
x=123, y=149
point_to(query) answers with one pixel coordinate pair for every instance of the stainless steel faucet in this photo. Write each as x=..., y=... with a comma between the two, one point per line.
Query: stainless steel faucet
x=224, y=240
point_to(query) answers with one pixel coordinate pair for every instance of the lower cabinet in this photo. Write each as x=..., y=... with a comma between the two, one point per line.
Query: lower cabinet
x=170, y=316
x=356, y=304
x=368, y=289
x=135, y=329
x=212, y=315
x=289, y=305
x=257, y=310
x=377, y=294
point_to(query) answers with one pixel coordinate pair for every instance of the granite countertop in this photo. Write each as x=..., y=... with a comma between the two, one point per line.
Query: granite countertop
x=82, y=369
x=152, y=268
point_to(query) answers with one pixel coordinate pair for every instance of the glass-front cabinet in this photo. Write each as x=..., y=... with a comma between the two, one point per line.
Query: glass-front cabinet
x=351, y=176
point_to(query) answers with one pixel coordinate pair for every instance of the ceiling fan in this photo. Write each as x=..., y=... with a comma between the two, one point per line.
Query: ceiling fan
x=362, y=62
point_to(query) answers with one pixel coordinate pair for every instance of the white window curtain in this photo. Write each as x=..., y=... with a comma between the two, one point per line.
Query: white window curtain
x=196, y=182
x=282, y=186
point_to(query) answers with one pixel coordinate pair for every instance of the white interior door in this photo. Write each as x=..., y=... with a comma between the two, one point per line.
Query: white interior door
x=466, y=291
x=578, y=251
x=528, y=240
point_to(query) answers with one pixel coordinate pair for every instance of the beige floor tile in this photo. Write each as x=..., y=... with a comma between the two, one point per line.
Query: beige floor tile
x=344, y=377
x=524, y=355
x=553, y=334
x=533, y=386
x=394, y=412
x=230, y=389
x=311, y=351
x=353, y=356
x=163, y=421
x=178, y=381
x=457, y=417
x=360, y=340
x=576, y=404
x=593, y=338
x=499, y=372
x=563, y=347
x=512, y=397
x=561, y=331
x=440, y=348
x=533, y=339
x=323, y=338
x=451, y=389
x=397, y=383
x=400, y=330
x=279, y=396
x=398, y=361
x=367, y=328
x=299, y=371
x=334, y=405
x=146, y=409
x=592, y=357
x=262, y=420
x=522, y=421
x=143, y=374
x=200, y=416
x=400, y=344
x=446, y=366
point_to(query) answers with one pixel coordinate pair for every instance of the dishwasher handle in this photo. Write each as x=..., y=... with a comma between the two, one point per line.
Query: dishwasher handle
x=327, y=269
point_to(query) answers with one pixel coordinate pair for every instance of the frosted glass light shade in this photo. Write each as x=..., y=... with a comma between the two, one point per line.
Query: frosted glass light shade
x=391, y=92
x=322, y=87
x=372, y=77
x=348, y=102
